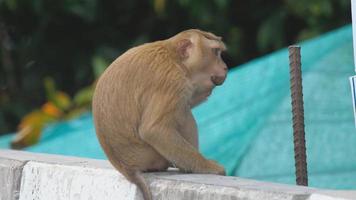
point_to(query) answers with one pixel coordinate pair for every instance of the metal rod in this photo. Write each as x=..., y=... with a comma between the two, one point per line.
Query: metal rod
x=298, y=115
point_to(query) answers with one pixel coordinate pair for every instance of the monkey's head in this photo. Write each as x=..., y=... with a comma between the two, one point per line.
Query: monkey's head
x=200, y=53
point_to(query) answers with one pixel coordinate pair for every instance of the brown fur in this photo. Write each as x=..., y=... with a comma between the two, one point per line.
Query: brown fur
x=142, y=105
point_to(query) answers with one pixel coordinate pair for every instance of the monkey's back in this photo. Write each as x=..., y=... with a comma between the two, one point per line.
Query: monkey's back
x=118, y=103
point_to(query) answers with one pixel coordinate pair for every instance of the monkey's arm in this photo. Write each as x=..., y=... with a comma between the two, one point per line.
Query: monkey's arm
x=159, y=128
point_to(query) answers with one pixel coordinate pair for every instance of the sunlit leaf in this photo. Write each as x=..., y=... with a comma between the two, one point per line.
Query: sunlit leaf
x=61, y=100
x=25, y=137
x=30, y=129
x=50, y=87
x=50, y=109
x=84, y=96
x=159, y=6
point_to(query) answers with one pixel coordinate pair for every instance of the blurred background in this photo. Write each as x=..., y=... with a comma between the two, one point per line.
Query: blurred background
x=68, y=43
x=52, y=52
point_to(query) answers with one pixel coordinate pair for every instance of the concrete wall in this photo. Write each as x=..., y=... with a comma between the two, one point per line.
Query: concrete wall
x=29, y=176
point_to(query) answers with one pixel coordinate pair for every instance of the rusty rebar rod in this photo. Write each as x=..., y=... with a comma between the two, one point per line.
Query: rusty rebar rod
x=298, y=115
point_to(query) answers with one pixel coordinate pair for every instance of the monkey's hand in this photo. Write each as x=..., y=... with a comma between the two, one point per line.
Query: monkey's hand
x=213, y=167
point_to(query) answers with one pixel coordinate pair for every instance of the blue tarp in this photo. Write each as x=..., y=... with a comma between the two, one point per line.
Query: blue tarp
x=246, y=124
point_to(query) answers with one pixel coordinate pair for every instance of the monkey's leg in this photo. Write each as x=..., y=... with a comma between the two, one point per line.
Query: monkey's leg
x=172, y=146
x=189, y=131
x=159, y=128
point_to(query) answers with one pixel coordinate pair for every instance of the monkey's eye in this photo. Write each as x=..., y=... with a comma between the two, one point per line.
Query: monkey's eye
x=216, y=51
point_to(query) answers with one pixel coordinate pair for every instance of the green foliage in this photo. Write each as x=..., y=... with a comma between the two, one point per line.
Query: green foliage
x=58, y=106
x=72, y=41
x=99, y=65
x=83, y=97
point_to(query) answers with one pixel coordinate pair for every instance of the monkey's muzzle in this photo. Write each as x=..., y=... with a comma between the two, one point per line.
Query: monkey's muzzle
x=218, y=80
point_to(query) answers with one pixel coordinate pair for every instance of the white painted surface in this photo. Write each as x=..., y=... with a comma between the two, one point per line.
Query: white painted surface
x=353, y=11
x=352, y=78
x=41, y=181
x=51, y=177
x=323, y=197
x=353, y=93
x=10, y=176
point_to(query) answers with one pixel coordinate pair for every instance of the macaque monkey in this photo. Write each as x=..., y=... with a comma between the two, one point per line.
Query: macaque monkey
x=142, y=105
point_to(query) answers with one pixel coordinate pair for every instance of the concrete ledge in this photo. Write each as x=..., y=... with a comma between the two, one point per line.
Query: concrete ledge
x=32, y=176
x=10, y=178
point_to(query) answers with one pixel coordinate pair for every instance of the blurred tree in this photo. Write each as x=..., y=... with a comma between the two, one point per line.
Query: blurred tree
x=71, y=40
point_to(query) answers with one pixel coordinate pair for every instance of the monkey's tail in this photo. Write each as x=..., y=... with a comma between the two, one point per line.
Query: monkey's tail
x=138, y=179
x=134, y=176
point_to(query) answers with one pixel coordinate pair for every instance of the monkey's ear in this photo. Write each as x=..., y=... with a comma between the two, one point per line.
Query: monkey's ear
x=183, y=47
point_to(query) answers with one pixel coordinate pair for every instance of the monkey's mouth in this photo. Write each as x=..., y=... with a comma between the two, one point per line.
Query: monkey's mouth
x=218, y=80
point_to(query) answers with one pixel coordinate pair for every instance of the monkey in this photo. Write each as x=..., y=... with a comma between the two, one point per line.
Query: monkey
x=142, y=105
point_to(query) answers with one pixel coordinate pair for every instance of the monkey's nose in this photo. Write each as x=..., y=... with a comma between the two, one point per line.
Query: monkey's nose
x=218, y=80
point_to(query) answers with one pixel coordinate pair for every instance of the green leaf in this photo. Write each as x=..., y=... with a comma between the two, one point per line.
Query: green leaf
x=86, y=9
x=159, y=6
x=50, y=88
x=99, y=65
x=11, y=4
x=84, y=96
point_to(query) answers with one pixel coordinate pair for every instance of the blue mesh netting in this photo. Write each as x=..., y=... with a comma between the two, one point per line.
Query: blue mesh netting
x=246, y=124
